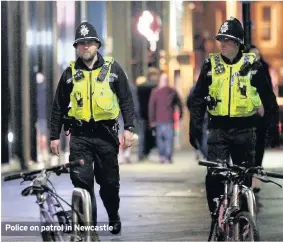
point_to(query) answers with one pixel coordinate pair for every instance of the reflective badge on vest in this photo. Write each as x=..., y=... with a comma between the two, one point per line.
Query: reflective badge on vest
x=79, y=75
x=219, y=69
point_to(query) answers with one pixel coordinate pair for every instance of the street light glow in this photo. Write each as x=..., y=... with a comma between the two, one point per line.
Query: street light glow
x=144, y=28
x=10, y=137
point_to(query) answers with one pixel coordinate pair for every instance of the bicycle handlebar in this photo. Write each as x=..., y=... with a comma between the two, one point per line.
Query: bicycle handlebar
x=240, y=168
x=209, y=163
x=274, y=174
x=53, y=169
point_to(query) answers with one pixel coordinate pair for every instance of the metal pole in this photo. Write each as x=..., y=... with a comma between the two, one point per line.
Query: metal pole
x=25, y=99
x=247, y=24
x=14, y=63
x=83, y=10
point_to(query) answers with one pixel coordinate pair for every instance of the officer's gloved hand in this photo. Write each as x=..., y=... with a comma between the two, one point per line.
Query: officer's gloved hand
x=193, y=142
x=273, y=136
x=195, y=138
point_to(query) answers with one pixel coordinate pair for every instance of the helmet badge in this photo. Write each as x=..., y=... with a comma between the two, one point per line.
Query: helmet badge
x=84, y=30
x=224, y=27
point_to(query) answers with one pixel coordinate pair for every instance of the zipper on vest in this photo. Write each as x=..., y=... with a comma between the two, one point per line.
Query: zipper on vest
x=229, y=91
x=91, y=116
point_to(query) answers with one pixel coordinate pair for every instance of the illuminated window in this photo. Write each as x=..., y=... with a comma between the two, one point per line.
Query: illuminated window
x=266, y=23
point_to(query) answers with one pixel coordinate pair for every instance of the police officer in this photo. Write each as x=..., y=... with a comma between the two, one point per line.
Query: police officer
x=232, y=87
x=90, y=95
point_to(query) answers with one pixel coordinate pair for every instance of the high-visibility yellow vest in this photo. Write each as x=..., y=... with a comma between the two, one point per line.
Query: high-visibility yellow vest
x=227, y=85
x=91, y=98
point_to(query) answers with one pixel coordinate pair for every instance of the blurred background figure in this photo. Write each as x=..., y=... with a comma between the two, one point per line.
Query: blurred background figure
x=42, y=129
x=259, y=57
x=261, y=130
x=124, y=155
x=162, y=103
x=146, y=138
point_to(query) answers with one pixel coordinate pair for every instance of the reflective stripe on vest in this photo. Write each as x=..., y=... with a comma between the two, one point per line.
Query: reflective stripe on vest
x=91, y=98
x=237, y=97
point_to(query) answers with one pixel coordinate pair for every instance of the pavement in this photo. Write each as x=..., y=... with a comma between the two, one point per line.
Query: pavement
x=159, y=202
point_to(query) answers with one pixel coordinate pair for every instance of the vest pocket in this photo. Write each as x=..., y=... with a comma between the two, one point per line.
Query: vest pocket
x=242, y=101
x=254, y=97
x=105, y=99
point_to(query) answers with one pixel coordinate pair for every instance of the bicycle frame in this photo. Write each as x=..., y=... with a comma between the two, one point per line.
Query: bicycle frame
x=228, y=209
x=229, y=205
x=47, y=199
x=49, y=214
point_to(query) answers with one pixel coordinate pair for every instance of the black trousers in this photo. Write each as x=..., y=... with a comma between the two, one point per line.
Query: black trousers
x=239, y=144
x=99, y=150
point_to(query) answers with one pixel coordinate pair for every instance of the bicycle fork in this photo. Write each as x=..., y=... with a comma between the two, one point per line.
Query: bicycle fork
x=77, y=196
x=249, y=198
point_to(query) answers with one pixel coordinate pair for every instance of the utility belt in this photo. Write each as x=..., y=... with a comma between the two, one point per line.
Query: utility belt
x=81, y=127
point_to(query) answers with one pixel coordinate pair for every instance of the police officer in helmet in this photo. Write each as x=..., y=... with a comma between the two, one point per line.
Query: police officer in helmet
x=233, y=88
x=91, y=93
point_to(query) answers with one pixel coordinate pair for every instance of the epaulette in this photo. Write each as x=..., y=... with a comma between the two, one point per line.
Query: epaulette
x=256, y=65
x=207, y=60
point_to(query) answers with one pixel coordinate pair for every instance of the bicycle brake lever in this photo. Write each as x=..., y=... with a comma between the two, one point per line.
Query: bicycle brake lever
x=268, y=181
x=62, y=170
x=27, y=178
x=275, y=183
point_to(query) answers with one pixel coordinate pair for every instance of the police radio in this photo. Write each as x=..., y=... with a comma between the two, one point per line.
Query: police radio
x=103, y=72
x=211, y=102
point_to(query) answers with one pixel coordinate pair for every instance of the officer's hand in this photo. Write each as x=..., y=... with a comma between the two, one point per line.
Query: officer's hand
x=152, y=125
x=260, y=111
x=55, y=146
x=193, y=142
x=273, y=136
x=195, y=138
x=128, y=139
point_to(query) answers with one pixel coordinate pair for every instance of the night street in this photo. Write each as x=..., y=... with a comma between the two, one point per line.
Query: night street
x=158, y=202
x=147, y=81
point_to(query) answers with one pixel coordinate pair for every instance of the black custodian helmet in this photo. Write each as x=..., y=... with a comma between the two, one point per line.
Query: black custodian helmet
x=86, y=32
x=231, y=29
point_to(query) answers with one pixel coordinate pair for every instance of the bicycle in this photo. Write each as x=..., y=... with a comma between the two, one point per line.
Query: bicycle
x=52, y=213
x=234, y=218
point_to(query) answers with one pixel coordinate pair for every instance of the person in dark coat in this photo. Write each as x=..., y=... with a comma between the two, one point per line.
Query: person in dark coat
x=261, y=128
x=146, y=138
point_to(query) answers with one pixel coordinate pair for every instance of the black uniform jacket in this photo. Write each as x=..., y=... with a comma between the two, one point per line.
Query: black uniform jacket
x=119, y=86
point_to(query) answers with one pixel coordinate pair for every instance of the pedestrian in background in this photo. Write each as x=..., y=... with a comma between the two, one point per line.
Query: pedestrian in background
x=163, y=101
x=261, y=129
x=146, y=138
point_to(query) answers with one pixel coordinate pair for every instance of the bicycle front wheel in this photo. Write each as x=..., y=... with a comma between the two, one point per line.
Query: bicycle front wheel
x=245, y=227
